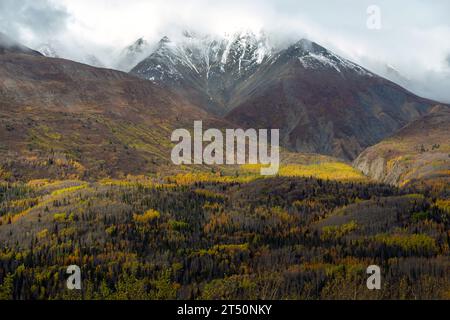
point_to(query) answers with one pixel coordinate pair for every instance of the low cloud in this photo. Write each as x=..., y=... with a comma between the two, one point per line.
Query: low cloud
x=32, y=20
x=413, y=37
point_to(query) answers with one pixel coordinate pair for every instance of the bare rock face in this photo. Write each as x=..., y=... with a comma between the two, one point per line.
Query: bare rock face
x=373, y=168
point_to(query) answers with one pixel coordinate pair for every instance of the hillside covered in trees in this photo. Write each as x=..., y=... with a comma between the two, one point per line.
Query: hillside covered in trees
x=215, y=236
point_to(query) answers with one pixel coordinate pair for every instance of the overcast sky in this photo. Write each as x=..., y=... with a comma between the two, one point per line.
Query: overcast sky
x=414, y=36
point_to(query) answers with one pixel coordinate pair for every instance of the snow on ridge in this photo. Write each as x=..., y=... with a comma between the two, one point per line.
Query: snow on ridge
x=238, y=54
x=47, y=50
x=204, y=54
x=311, y=59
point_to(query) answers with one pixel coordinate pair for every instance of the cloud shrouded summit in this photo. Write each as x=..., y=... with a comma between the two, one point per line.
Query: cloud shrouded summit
x=413, y=37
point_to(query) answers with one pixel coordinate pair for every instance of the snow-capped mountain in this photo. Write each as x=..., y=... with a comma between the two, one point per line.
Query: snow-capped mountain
x=208, y=67
x=239, y=54
x=314, y=56
x=206, y=55
x=132, y=54
x=210, y=70
x=322, y=102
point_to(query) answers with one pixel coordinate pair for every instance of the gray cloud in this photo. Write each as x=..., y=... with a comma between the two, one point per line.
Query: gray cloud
x=31, y=20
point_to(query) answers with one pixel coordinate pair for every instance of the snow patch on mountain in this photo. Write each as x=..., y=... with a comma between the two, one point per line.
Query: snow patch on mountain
x=237, y=55
x=47, y=50
x=205, y=55
x=313, y=56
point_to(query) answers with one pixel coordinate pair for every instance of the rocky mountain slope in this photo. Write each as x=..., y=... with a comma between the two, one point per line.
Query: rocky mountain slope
x=419, y=151
x=322, y=103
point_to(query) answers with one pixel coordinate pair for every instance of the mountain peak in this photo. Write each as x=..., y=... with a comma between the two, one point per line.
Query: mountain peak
x=132, y=54
x=164, y=39
x=137, y=45
x=140, y=42
x=314, y=56
x=216, y=65
x=305, y=46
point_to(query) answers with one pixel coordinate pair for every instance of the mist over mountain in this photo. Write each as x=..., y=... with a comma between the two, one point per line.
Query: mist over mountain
x=8, y=45
x=56, y=49
x=48, y=50
x=131, y=55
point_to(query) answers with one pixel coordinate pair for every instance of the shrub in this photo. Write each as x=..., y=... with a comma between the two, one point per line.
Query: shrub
x=148, y=216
